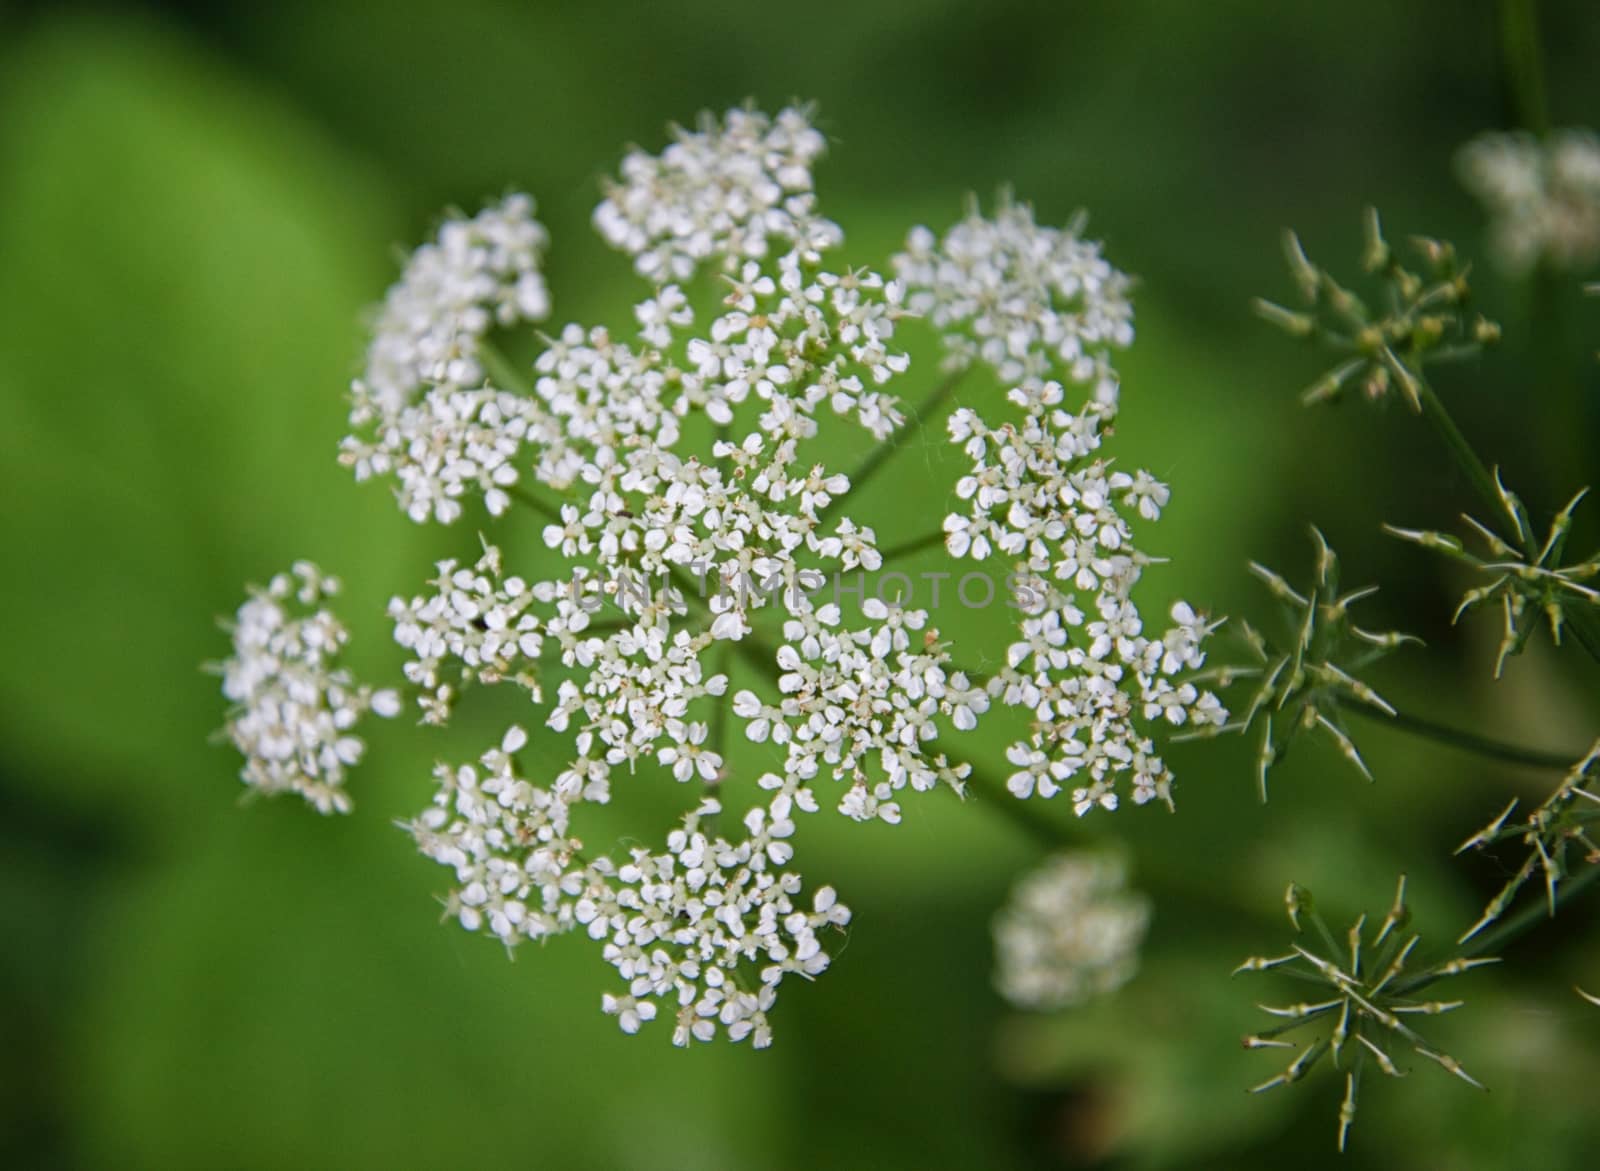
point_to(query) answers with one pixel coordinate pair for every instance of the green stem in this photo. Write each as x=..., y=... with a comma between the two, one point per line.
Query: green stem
x=881, y=454
x=1466, y=741
x=1510, y=930
x=719, y=727
x=1466, y=459
x=1529, y=917
x=1582, y=622
x=606, y=626
x=1564, y=409
x=549, y=511
x=1024, y=814
x=917, y=545
x=1522, y=62
x=503, y=371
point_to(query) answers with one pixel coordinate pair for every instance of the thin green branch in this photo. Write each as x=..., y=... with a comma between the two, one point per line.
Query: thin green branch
x=916, y=545
x=1466, y=459
x=1585, y=627
x=544, y=508
x=874, y=463
x=1024, y=814
x=719, y=712
x=1518, y=925
x=1466, y=741
x=719, y=728
x=502, y=371
x=1522, y=61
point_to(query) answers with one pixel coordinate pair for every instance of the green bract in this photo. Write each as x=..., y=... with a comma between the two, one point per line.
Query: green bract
x=1410, y=320
x=1366, y=988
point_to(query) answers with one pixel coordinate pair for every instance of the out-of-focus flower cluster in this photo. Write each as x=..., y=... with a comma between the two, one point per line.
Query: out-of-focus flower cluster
x=1070, y=932
x=294, y=708
x=1542, y=195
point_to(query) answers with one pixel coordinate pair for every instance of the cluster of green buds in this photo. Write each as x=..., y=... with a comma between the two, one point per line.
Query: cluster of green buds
x=1414, y=319
x=1306, y=683
x=1368, y=992
x=1551, y=833
x=1529, y=578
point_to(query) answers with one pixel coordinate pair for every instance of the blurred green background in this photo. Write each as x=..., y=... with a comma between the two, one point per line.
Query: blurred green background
x=197, y=203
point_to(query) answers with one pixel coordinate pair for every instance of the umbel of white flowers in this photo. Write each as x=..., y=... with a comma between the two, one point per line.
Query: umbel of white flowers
x=294, y=708
x=1070, y=932
x=749, y=320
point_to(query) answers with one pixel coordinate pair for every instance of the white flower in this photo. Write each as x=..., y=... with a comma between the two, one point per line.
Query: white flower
x=1040, y=492
x=450, y=443
x=1099, y=793
x=725, y=191
x=661, y=314
x=690, y=514
x=1026, y=300
x=629, y=1011
x=1070, y=932
x=1543, y=197
x=1042, y=306
x=670, y=557
x=420, y=410
x=294, y=709
x=689, y=756
x=709, y=926
x=480, y=623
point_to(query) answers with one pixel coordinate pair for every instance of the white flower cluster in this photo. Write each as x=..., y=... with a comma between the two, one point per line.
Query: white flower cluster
x=855, y=698
x=726, y=190
x=294, y=709
x=1040, y=494
x=1032, y=302
x=790, y=338
x=671, y=562
x=707, y=928
x=1070, y=932
x=1543, y=196
x=693, y=529
x=1082, y=663
x=477, y=621
x=421, y=411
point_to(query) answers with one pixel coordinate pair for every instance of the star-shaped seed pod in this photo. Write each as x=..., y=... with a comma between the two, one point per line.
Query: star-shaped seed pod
x=1306, y=682
x=1416, y=318
x=1367, y=982
x=1529, y=579
x=1550, y=832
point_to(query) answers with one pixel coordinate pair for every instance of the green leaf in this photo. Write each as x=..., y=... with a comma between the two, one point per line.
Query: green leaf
x=185, y=263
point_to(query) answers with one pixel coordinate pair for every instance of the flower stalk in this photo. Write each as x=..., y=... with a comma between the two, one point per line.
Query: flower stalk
x=1470, y=742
